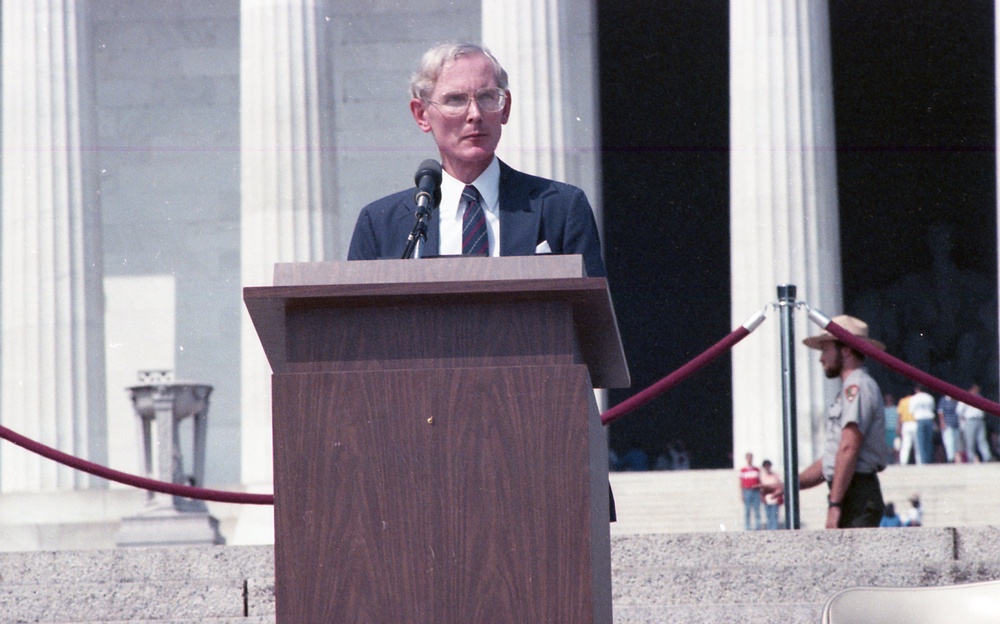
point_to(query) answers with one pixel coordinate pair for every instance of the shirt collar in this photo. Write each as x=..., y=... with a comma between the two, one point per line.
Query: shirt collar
x=488, y=185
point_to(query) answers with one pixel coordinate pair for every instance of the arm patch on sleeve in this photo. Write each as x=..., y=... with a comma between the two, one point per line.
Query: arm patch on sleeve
x=851, y=392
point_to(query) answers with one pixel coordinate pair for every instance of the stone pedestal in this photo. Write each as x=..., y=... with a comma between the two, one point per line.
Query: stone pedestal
x=162, y=404
x=169, y=527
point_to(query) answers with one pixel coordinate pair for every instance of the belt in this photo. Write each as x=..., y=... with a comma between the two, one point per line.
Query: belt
x=859, y=476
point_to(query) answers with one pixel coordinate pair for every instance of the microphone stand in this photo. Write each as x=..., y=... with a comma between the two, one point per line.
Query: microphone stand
x=428, y=196
x=419, y=232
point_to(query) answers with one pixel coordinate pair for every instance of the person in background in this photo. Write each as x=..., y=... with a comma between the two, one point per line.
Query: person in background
x=750, y=493
x=922, y=408
x=915, y=514
x=680, y=459
x=948, y=424
x=892, y=426
x=774, y=494
x=974, y=430
x=854, y=451
x=906, y=430
x=889, y=517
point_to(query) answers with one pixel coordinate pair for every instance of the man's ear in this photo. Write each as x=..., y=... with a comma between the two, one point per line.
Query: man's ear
x=419, y=109
x=506, y=109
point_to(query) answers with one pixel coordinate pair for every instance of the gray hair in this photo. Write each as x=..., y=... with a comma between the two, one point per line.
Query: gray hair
x=422, y=82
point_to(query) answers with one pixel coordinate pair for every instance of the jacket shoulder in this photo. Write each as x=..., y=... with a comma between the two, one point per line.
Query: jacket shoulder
x=389, y=204
x=535, y=186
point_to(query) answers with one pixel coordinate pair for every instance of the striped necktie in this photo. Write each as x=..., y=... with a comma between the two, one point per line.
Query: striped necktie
x=474, y=239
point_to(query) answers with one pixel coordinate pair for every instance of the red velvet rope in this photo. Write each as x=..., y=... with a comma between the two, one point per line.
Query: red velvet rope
x=163, y=487
x=674, y=378
x=188, y=491
x=607, y=417
x=907, y=370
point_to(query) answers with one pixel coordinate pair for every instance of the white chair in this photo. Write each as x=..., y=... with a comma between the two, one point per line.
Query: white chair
x=973, y=603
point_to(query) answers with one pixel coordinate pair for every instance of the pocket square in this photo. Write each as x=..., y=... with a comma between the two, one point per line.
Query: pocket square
x=543, y=248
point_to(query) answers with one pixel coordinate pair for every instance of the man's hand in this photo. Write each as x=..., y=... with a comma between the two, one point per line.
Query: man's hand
x=832, y=517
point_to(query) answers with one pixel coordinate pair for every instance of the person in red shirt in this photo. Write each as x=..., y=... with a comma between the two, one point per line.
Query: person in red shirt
x=750, y=491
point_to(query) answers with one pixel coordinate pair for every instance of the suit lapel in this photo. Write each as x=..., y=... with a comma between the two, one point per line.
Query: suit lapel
x=519, y=214
x=432, y=244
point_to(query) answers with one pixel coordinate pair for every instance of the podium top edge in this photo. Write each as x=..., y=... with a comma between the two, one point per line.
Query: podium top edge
x=443, y=269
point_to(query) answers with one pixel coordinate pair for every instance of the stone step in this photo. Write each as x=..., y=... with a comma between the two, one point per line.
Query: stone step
x=266, y=619
x=682, y=594
x=709, y=501
x=123, y=601
x=803, y=584
x=659, y=573
x=138, y=584
x=124, y=565
x=779, y=613
x=737, y=594
x=775, y=576
x=761, y=548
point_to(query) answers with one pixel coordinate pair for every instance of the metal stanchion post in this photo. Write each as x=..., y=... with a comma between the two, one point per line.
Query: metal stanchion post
x=786, y=303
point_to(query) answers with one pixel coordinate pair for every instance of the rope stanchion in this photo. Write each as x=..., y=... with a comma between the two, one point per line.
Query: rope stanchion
x=638, y=400
x=176, y=489
x=902, y=367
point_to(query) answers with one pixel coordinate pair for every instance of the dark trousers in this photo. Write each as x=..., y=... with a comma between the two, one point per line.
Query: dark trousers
x=862, y=505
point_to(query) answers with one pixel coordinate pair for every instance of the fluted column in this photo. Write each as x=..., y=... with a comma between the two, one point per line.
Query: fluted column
x=52, y=385
x=549, y=51
x=784, y=213
x=285, y=106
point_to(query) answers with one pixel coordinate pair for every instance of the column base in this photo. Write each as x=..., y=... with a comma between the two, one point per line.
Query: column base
x=169, y=528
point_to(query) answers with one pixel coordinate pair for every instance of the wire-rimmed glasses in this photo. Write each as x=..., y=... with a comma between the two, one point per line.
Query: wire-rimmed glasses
x=454, y=103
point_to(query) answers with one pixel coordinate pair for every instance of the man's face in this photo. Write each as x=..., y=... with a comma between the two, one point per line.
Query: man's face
x=832, y=360
x=467, y=142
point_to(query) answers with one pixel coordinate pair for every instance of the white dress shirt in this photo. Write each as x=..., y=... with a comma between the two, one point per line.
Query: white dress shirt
x=451, y=209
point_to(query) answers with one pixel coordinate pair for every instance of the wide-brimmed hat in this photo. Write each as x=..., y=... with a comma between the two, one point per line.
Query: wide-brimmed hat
x=853, y=325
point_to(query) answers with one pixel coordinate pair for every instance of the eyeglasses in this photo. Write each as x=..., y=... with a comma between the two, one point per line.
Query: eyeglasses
x=457, y=102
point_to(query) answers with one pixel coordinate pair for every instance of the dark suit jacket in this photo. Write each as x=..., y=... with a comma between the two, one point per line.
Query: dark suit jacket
x=532, y=210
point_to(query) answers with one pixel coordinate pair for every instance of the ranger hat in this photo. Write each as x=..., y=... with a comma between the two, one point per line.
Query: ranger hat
x=853, y=325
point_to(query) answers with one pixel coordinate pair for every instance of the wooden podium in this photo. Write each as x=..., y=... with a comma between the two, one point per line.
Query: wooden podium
x=438, y=452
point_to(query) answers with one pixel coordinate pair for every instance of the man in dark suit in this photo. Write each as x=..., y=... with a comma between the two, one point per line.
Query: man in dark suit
x=460, y=96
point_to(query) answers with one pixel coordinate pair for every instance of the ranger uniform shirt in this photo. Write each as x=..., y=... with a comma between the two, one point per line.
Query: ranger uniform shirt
x=859, y=401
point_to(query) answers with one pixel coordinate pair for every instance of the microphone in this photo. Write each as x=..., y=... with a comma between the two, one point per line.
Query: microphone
x=428, y=181
x=428, y=197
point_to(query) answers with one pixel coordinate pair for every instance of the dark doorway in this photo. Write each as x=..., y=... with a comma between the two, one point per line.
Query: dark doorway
x=914, y=105
x=914, y=93
x=665, y=133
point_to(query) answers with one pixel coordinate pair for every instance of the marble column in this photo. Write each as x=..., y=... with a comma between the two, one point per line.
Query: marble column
x=52, y=385
x=548, y=48
x=784, y=212
x=286, y=110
